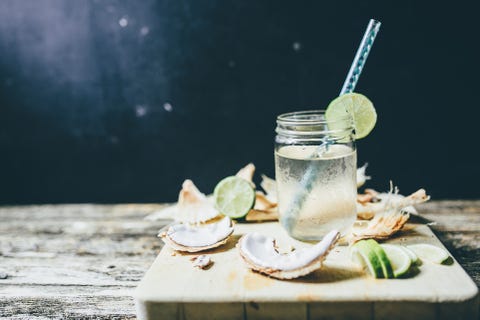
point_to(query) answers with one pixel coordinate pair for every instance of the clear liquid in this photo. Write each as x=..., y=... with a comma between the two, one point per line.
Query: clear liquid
x=316, y=190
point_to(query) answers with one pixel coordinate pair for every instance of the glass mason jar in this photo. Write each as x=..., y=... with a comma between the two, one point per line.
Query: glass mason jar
x=315, y=170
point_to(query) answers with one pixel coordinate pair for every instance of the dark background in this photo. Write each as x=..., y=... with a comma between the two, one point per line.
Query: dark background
x=120, y=101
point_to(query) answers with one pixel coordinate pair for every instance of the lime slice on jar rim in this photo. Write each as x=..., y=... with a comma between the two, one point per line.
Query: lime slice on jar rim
x=234, y=197
x=359, y=107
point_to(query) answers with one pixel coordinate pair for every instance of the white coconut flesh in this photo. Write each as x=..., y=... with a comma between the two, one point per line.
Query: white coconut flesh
x=260, y=251
x=200, y=236
x=361, y=175
x=270, y=187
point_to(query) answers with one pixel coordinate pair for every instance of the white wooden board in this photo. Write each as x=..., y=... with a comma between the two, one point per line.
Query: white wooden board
x=173, y=289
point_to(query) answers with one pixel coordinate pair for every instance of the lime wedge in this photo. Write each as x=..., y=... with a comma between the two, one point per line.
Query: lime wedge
x=429, y=252
x=411, y=254
x=359, y=107
x=399, y=259
x=382, y=256
x=363, y=254
x=234, y=197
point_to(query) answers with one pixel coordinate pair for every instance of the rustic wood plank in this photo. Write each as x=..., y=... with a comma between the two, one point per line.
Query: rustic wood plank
x=80, y=271
x=68, y=307
x=77, y=211
x=18, y=246
x=83, y=260
x=450, y=207
x=74, y=261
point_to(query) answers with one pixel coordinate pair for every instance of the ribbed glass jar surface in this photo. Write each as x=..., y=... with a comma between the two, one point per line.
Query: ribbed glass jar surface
x=315, y=170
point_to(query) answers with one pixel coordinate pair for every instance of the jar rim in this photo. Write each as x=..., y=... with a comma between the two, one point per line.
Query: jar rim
x=312, y=124
x=316, y=116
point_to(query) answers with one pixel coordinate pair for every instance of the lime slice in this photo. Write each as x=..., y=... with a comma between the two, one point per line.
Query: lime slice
x=429, y=252
x=357, y=105
x=399, y=259
x=234, y=197
x=382, y=256
x=411, y=254
x=364, y=255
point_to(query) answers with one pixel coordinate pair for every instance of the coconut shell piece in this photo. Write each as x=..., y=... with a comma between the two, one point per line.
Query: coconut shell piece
x=260, y=254
x=382, y=227
x=195, y=238
x=246, y=173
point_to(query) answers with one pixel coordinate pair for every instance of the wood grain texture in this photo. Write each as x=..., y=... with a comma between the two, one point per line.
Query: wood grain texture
x=457, y=225
x=74, y=261
x=228, y=282
x=84, y=261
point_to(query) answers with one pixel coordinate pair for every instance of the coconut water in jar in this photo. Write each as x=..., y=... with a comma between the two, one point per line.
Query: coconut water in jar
x=315, y=170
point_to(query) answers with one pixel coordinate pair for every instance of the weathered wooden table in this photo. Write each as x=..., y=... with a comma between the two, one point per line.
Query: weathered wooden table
x=84, y=261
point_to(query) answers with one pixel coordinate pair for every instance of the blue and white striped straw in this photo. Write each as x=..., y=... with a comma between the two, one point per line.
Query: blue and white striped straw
x=356, y=68
x=361, y=56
